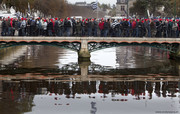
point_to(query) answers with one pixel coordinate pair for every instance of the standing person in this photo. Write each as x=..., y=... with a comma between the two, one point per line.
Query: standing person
x=111, y=28
x=68, y=25
x=165, y=28
x=1, y=21
x=19, y=27
x=28, y=27
x=78, y=27
x=50, y=27
x=4, y=27
x=8, y=26
x=178, y=30
x=74, y=26
x=153, y=28
x=130, y=27
x=44, y=27
x=101, y=27
x=23, y=26
x=126, y=27
x=37, y=31
x=39, y=26
x=133, y=28
x=15, y=27
x=174, y=29
x=56, y=27
x=149, y=28
x=143, y=28
x=32, y=27
x=89, y=27
x=119, y=27
x=83, y=24
x=106, y=27
x=116, y=31
x=86, y=26
x=61, y=27
x=158, y=28
x=170, y=28
x=140, y=28
x=137, y=28
x=95, y=27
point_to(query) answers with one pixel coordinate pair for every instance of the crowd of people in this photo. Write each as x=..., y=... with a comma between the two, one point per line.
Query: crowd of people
x=90, y=27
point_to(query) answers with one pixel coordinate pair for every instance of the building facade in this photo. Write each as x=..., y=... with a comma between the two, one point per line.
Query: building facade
x=122, y=7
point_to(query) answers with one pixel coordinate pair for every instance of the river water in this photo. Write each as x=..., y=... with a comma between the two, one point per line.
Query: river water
x=50, y=80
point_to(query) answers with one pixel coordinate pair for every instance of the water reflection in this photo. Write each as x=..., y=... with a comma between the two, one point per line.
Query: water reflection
x=44, y=80
x=44, y=93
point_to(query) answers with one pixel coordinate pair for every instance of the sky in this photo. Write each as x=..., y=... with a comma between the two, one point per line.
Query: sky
x=89, y=1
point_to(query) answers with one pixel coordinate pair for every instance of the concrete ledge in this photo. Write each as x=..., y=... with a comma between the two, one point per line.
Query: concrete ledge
x=97, y=39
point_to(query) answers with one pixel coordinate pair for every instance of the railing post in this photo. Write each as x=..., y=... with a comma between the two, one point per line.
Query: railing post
x=83, y=54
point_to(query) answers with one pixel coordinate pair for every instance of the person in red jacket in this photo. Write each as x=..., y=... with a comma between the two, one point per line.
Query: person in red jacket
x=134, y=28
x=101, y=27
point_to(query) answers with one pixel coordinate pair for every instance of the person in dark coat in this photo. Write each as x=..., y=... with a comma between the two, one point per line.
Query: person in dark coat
x=159, y=28
x=83, y=24
x=95, y=27
x=78, y=27
x=165, y=29
x=153, y=28
x=89, y=27
x=4, y=27
x=32, y=27
x=56, y=27
x=140, y=28
x=28, y=27
x=50, y=27
x=106, y=27
x=67, y=26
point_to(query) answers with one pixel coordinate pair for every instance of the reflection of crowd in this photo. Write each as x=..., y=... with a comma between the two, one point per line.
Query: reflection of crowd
x=136, y=88
x=90, y=27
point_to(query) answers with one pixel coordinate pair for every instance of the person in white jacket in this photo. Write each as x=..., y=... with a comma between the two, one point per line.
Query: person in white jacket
x=44, y=27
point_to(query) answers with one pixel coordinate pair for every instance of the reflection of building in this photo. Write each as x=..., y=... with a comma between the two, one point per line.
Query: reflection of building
x=131, y=57
x=123, y=6
x=80, y=4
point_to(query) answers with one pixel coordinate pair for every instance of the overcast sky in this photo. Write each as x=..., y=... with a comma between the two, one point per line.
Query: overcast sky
x=89, y=1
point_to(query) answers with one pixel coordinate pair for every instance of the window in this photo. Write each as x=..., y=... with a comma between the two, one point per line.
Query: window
x=122, y=8
x=123, y=1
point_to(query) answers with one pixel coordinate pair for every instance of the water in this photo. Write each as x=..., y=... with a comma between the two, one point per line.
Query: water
x=50, y=80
